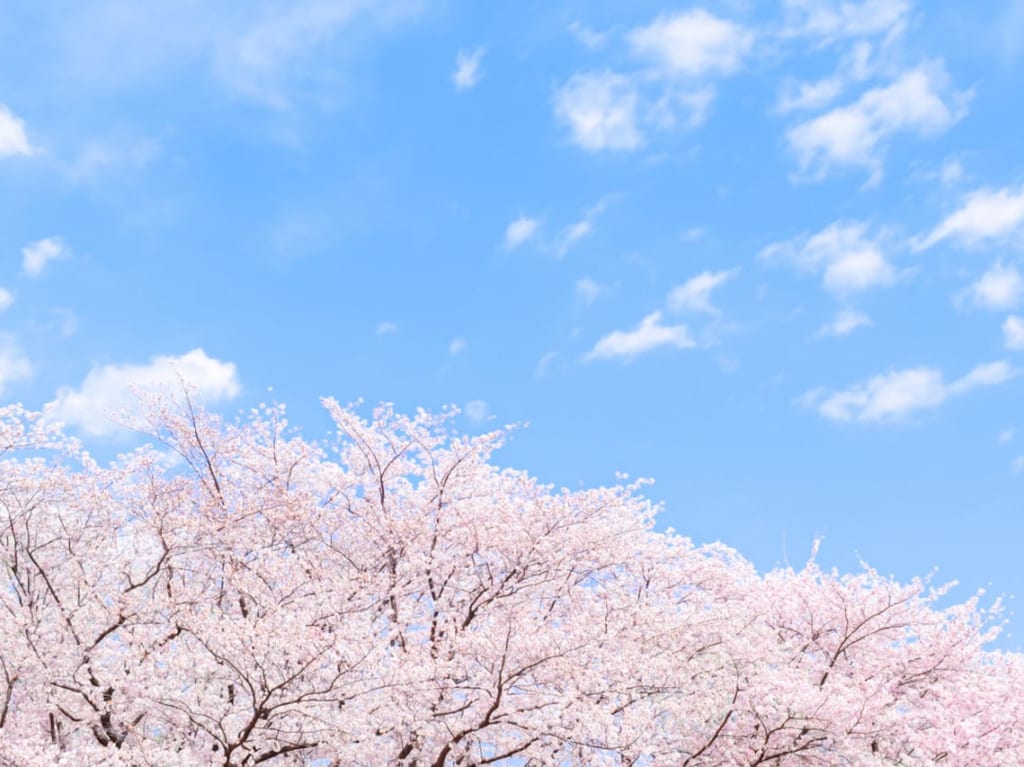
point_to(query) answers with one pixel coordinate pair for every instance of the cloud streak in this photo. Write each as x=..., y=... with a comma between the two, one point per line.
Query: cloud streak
x=897, y=394
x=985, y=215
x=650, y=334
x=694, y=295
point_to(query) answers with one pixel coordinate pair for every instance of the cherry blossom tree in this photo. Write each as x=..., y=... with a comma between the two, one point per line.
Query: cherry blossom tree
x=237, y=595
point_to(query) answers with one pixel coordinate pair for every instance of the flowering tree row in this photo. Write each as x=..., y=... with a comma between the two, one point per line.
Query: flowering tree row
x=240, y=596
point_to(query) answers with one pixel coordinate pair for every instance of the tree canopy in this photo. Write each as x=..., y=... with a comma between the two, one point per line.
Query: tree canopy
x=238, y=595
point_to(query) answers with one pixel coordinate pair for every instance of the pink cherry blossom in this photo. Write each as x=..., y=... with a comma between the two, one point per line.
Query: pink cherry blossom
x=240, y=596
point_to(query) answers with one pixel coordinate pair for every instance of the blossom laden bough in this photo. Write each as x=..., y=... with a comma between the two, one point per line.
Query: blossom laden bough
x=394, y=598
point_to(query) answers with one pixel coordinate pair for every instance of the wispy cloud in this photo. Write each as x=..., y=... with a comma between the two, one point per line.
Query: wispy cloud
x=845, y=322
x=386, y=328
x=587, y=36
x=544, y=364
x=833, y=20
x=467, y=69
x=694, y=295
x=14, y=365
x=951, y=172
x=477, y=410
x=589, y=290
x=648, y=335
x=897, y=394
x=848, y=259
x=271, y=53
x=573, y=234
x=854, y=67
x=581, y=229
x=60, y=321
x=6, y=299
x=856, y=134
x=519, y=231
x=1013, y=333
x=36, y=255
x=985, y=215
x=796, y=96
x=457, y=346
x=97, y=157
x=13, y=139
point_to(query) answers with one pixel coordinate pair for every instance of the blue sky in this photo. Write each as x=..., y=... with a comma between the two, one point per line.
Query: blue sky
x=769, y=254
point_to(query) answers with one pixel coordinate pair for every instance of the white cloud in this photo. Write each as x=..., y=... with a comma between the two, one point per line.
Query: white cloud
x=694, y=295
x=63, y=321
x=1013, y=333
x=689, y=107
x=14, y=365
x=831, y=20
x=589, y=290
x=467, y=69
x=519, y=231
x=579, y=230
x=983, y=375
x=587, y=36
x=857, y=270
x=985, y=215
x=272, y=52
x=648, y=335
x=850, y=262
x=476, y=410
x=36, y=255
x=270, y=55
x=951, y=172
x=998, y=289
x=692, y=43
x=855, y=66
x=805, y=96
x=457, y=346
x=855, y=134
x=112, y=155
x=110, y=390
x=544, y=363
x=1006, y=435
x=6, y=299
x=846, y=321
x=13, y=140
x=573, y=234
x=384, y=328
x=600, y=109
x=678, y=53
x=1017, y=465
x=896, y=394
